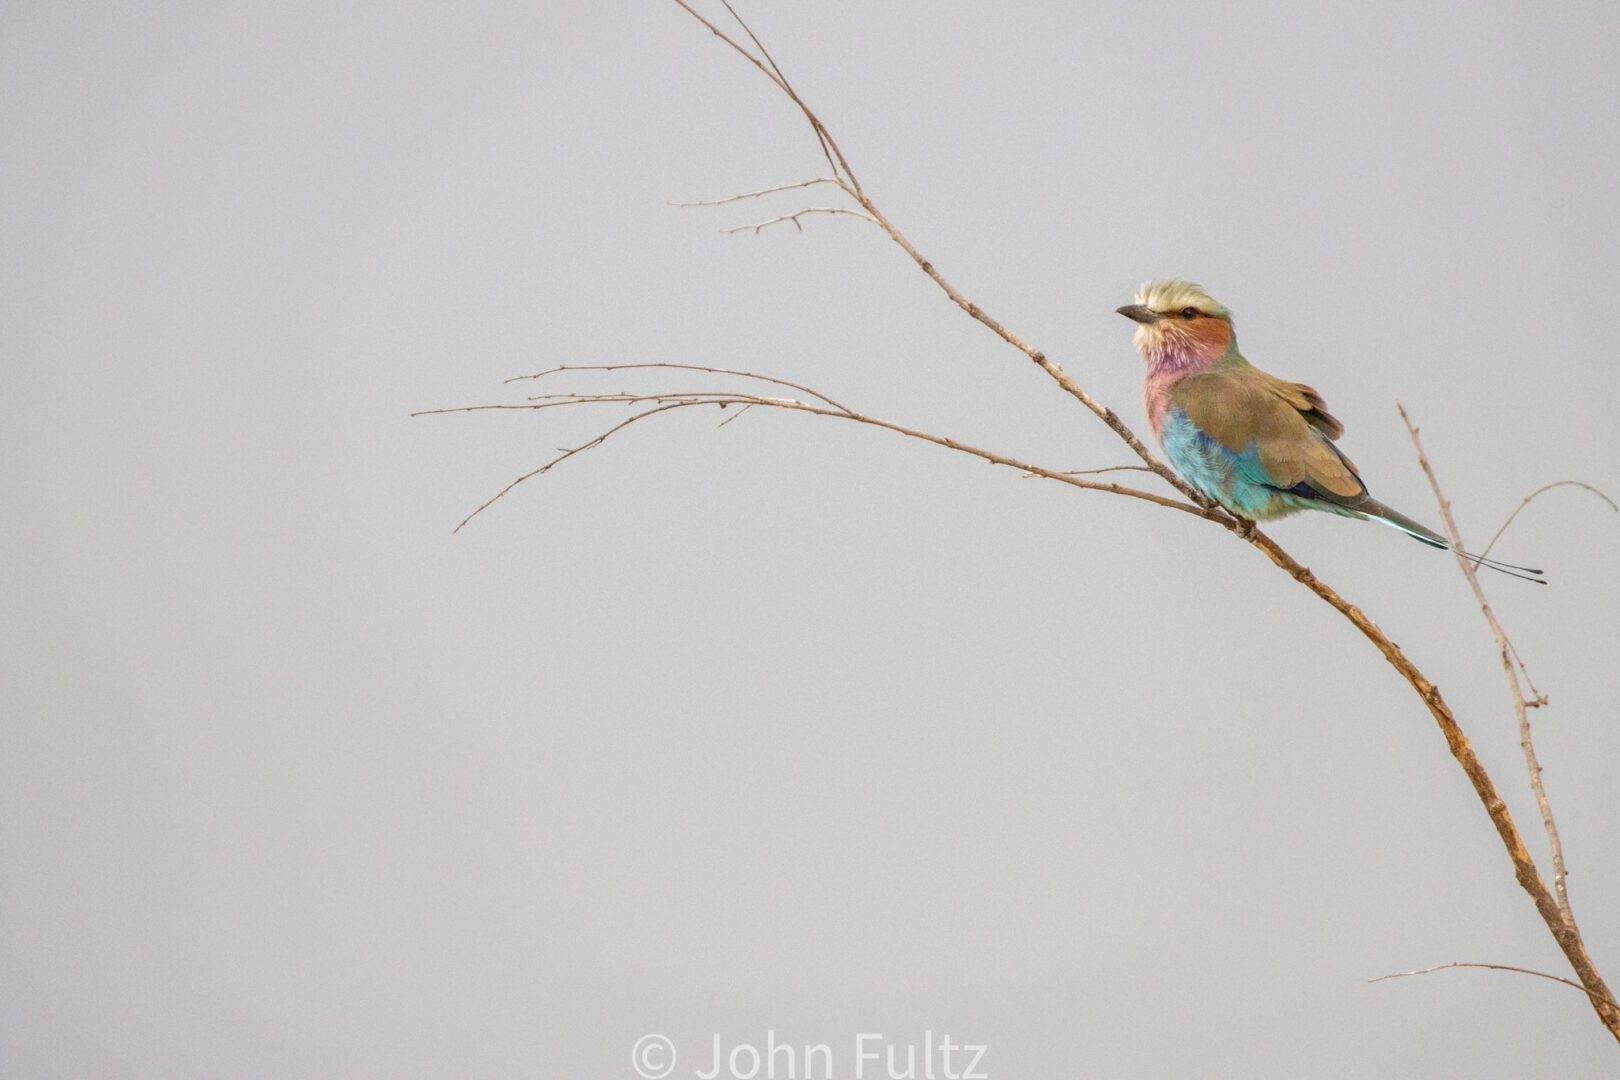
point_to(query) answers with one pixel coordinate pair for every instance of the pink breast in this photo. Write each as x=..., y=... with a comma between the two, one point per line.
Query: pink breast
x=1156, y=399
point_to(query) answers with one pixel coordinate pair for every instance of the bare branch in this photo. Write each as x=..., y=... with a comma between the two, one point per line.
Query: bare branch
x=794, y=217
x=1499, y=967
x=1529, y=877
x=697, y=397
x=1509, y=655
x=764, y=191
x=1528, y=499
x=1052, y=369
x=1525, y=871
x=671, y=400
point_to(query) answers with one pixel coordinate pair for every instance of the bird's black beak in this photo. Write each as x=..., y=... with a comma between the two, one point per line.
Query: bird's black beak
x=1140, y=313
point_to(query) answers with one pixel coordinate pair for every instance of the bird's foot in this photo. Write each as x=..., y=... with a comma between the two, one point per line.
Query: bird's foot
x=1245, y=528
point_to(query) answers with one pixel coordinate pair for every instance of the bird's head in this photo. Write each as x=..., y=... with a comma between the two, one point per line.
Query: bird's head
x=1179, y=325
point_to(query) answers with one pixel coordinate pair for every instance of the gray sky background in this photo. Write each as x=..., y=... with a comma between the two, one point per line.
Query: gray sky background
x=789, y=725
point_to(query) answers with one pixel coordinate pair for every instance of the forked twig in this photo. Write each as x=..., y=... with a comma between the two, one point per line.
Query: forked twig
x=829, y=147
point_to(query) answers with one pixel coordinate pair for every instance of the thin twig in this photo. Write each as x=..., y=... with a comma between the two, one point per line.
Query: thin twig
x=829, y=148
x=1528, y=499
x=562, y=457
x=693, y=397
x=1105, y=469
x=794, y=217
x=761, y=192
x=1508, y=654
x=678, y=367
x=1501, y=967
x=1537, y=698
x=822, y=134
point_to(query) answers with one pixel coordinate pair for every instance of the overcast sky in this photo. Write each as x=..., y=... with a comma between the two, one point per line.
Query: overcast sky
x=789, y=725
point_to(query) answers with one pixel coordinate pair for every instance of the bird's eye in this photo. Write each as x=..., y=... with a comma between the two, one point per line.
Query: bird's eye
x=1189, y=313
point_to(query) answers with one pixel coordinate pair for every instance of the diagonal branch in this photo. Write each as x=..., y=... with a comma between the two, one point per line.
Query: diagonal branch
x=1524, y=868
x=1051, y=368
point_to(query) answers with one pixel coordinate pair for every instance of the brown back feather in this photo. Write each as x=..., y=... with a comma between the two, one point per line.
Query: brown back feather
x=1288, y=422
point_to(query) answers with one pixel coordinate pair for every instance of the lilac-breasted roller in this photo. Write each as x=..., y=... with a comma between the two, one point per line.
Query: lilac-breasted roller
x=1260, y=446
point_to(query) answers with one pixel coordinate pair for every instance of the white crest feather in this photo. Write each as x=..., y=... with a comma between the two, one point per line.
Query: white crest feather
x=1170, y=294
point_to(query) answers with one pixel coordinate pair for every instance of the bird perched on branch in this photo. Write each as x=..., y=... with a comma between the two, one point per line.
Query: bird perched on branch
x=1260, y=446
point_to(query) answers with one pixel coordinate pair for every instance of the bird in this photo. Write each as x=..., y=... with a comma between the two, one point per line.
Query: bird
x=1258, y=445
